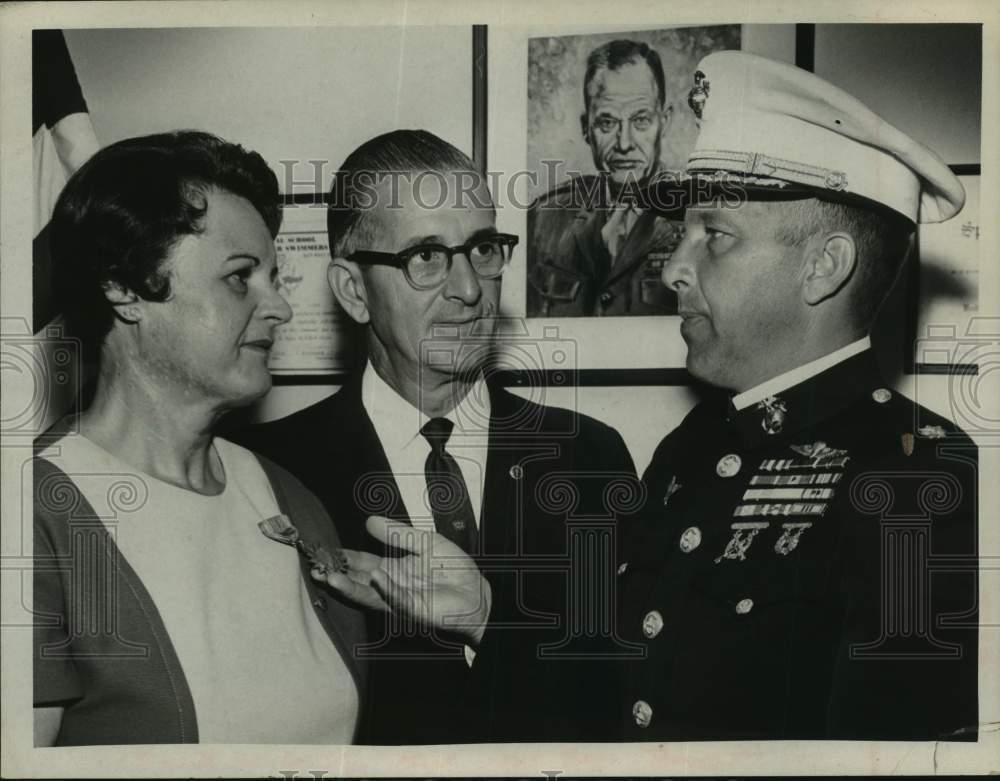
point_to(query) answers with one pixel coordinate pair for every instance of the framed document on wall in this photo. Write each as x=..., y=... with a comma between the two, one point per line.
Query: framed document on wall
x=320, y=339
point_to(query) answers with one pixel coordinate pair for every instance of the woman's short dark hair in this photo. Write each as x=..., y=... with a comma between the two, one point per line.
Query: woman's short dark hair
x=123, y=211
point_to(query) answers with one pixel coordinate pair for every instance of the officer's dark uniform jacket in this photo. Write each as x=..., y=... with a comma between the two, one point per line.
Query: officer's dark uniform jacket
x=806, y=569
x=572, y=274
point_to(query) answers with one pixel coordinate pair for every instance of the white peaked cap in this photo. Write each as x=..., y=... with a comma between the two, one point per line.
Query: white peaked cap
x=772, y=125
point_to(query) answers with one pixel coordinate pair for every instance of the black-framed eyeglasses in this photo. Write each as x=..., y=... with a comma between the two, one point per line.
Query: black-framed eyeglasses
x=427, y=266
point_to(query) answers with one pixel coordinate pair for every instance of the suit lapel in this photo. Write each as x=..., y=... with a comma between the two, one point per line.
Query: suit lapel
x=498, y=508
x=367, y=483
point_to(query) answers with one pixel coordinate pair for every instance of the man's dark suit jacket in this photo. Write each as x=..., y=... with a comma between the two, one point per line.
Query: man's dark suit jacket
x=556, y=481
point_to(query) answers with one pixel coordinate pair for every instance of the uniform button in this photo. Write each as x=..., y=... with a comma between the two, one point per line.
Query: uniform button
x=652, y=624
x=744, y=606
x=642, y=712
x=606, y=298
x=319, y=603
x=516, y=472
x=622, y=567
x=728, y=465
x=690, y=539
x=882, y=395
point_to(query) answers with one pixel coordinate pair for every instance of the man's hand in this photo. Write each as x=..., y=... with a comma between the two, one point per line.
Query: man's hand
x=436, y=583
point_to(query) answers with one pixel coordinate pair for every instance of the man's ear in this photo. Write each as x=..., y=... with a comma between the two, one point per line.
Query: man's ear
x=667, y=113
x=830, y=261
x=127, y=305
x=348, y=288
x=585, y=126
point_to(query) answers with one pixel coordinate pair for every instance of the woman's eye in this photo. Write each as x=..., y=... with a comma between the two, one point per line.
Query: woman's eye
x=239, y=279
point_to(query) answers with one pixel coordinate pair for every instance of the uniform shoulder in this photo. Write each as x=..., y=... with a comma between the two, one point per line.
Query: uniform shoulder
x=575, y=193
x=928, y=428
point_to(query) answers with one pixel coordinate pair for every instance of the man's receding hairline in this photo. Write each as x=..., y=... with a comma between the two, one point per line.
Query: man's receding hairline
x=637, y=59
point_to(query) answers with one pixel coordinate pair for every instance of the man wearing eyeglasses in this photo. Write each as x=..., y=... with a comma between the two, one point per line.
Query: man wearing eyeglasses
x=591, y=250
x=419, y=437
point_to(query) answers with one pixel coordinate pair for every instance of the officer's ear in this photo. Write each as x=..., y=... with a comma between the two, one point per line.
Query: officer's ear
x=585, y=126
x=667, y=113
x=831, y=259
x=348, y=286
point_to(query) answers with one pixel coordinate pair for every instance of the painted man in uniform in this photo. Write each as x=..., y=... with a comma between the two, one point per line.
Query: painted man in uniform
x=592, y=250
x=782, y=580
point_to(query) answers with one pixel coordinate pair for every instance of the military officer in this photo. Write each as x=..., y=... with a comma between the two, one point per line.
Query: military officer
x=806, y=567
x=592, y=250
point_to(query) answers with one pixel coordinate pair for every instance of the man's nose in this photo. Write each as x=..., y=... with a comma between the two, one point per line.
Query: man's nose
x=678, y=271
x=463, y=282
x=625, y=135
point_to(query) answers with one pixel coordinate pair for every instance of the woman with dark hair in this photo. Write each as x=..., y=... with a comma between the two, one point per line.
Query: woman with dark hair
x=166, y=609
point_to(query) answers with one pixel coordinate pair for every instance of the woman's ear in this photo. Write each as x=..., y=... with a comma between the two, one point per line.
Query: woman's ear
x=348, y=286
x=126, y=303
x=830, y=262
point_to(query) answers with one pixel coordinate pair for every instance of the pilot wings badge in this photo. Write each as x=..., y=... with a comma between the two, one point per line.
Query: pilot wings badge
x=819, y=452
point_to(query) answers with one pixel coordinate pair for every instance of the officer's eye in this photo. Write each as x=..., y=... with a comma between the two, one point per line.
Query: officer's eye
x=607, y=124
x=642, y=121
x=715, y=237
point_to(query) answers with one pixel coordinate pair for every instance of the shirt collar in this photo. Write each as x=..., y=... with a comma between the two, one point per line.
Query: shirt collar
x=398, y=423
x=799, y=374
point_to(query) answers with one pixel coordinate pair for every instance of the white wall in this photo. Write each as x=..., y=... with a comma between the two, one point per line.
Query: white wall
x=296, y=93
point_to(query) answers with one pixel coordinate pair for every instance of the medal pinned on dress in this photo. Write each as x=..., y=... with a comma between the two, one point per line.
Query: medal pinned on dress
x=280, y=529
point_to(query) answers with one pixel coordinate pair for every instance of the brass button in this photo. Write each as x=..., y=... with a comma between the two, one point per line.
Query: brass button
x=744, y=606
x=882, y=395
x=642, y=712
x=319, y=603
x=516, y=472
x=652, y=624
x=690, y=539
x=728, y=465
x=622, y=567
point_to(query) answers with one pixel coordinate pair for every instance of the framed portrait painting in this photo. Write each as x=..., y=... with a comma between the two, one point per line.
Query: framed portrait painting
x=577, y=121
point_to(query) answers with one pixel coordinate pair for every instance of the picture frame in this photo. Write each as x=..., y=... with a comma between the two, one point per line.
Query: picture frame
x=529, y=67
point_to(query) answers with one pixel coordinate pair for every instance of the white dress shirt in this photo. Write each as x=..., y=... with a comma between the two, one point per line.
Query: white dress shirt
x=398, y=423
x=799, y=374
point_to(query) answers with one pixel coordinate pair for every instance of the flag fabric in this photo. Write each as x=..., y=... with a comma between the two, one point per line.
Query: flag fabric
x=63, y=141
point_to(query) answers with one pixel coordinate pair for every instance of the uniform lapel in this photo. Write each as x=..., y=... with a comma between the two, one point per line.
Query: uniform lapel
x=635, y=247
x=589, y=244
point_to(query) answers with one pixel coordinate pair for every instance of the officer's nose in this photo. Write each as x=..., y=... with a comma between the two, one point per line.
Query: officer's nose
x=678, y=272
x=463, y=283
x=625, y=136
